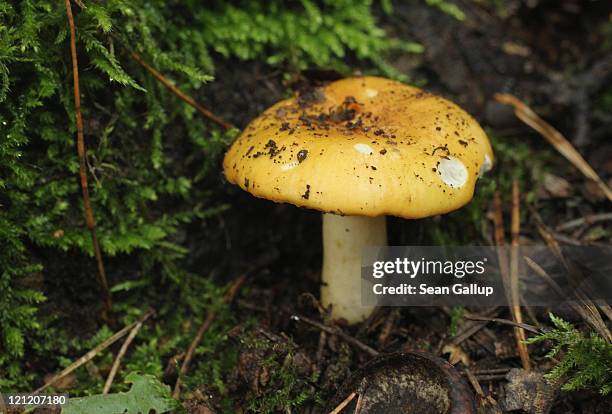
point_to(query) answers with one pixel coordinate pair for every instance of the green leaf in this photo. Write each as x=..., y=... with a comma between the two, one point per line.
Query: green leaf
x=147, y=393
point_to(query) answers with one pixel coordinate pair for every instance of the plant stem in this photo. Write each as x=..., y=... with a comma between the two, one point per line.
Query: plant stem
x=89, y=217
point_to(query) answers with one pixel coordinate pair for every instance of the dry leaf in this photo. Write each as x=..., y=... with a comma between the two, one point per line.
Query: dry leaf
x=554, y=186
x=554, y=137
x=457, y=354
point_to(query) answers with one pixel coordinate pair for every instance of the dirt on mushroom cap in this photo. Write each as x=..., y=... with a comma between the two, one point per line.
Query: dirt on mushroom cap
x=362, y=146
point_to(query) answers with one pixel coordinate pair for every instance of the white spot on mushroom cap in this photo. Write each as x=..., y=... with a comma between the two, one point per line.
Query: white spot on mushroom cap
x=486, y=165
x=371, y=93
x=453, y=172
x=364, y=149
x=289, y=166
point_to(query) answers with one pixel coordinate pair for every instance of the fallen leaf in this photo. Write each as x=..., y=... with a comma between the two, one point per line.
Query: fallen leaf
x=554, y=186
x=457, y=354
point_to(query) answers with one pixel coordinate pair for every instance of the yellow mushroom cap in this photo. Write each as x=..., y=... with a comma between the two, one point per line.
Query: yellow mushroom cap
x=364, y=146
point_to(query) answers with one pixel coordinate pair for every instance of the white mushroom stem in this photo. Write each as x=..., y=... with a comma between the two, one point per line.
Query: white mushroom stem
x=344, y=238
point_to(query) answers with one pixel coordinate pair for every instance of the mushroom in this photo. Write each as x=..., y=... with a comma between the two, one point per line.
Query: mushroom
x=360, y=149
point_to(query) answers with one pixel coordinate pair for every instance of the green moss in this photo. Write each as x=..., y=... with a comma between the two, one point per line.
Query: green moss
x=152, y=159
x=289, y=384
x=584, y=361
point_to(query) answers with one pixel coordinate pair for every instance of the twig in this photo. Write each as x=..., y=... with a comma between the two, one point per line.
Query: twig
x=492, y=377
x=344, y=403
x=500, y=241
x=472, y=328
x=588, y=309
x=119, y=357
x=585, y=310
x=320, y=350
x=481, y=372
x=538, y=270
x=591, y=219
x=509, y=271
x=555, y=138
x=95, y=351
x=179, y=93
x=229, y=298
x=387, y=327
x=89, y=217
x=475, y=384
x=525, y=326
x=515, y=227
x=335, y=331
x=359, y=404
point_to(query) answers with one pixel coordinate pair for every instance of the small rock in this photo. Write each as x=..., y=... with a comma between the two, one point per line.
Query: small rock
x=528, y=391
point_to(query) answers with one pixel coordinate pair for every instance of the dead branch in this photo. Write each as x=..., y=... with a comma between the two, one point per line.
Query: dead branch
x=89, y=217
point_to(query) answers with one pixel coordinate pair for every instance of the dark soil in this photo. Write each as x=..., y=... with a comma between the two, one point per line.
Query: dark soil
x=545, y=52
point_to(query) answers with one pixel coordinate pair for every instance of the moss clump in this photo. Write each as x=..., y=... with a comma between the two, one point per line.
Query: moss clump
x=584, y=360
x=151, y=159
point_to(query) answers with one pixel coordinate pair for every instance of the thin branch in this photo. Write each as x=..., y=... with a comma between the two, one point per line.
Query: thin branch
x=589, y=309
x=119, y=357
x=320, y=350
x=95, y=351
x=515, y=228
x=554, y=137
x=210, y=318
x=474, y=382
x=585, y=310
x=588, y=220
x=179, y=93
x=500, y=241
x=335, y=331
x=89, y=217
x=472, y=328
x=344, y=403
x=387, y=328
x=359, y=405
x=525, y=326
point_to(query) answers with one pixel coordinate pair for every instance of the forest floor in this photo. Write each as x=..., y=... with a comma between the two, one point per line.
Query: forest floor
x=286, y=351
